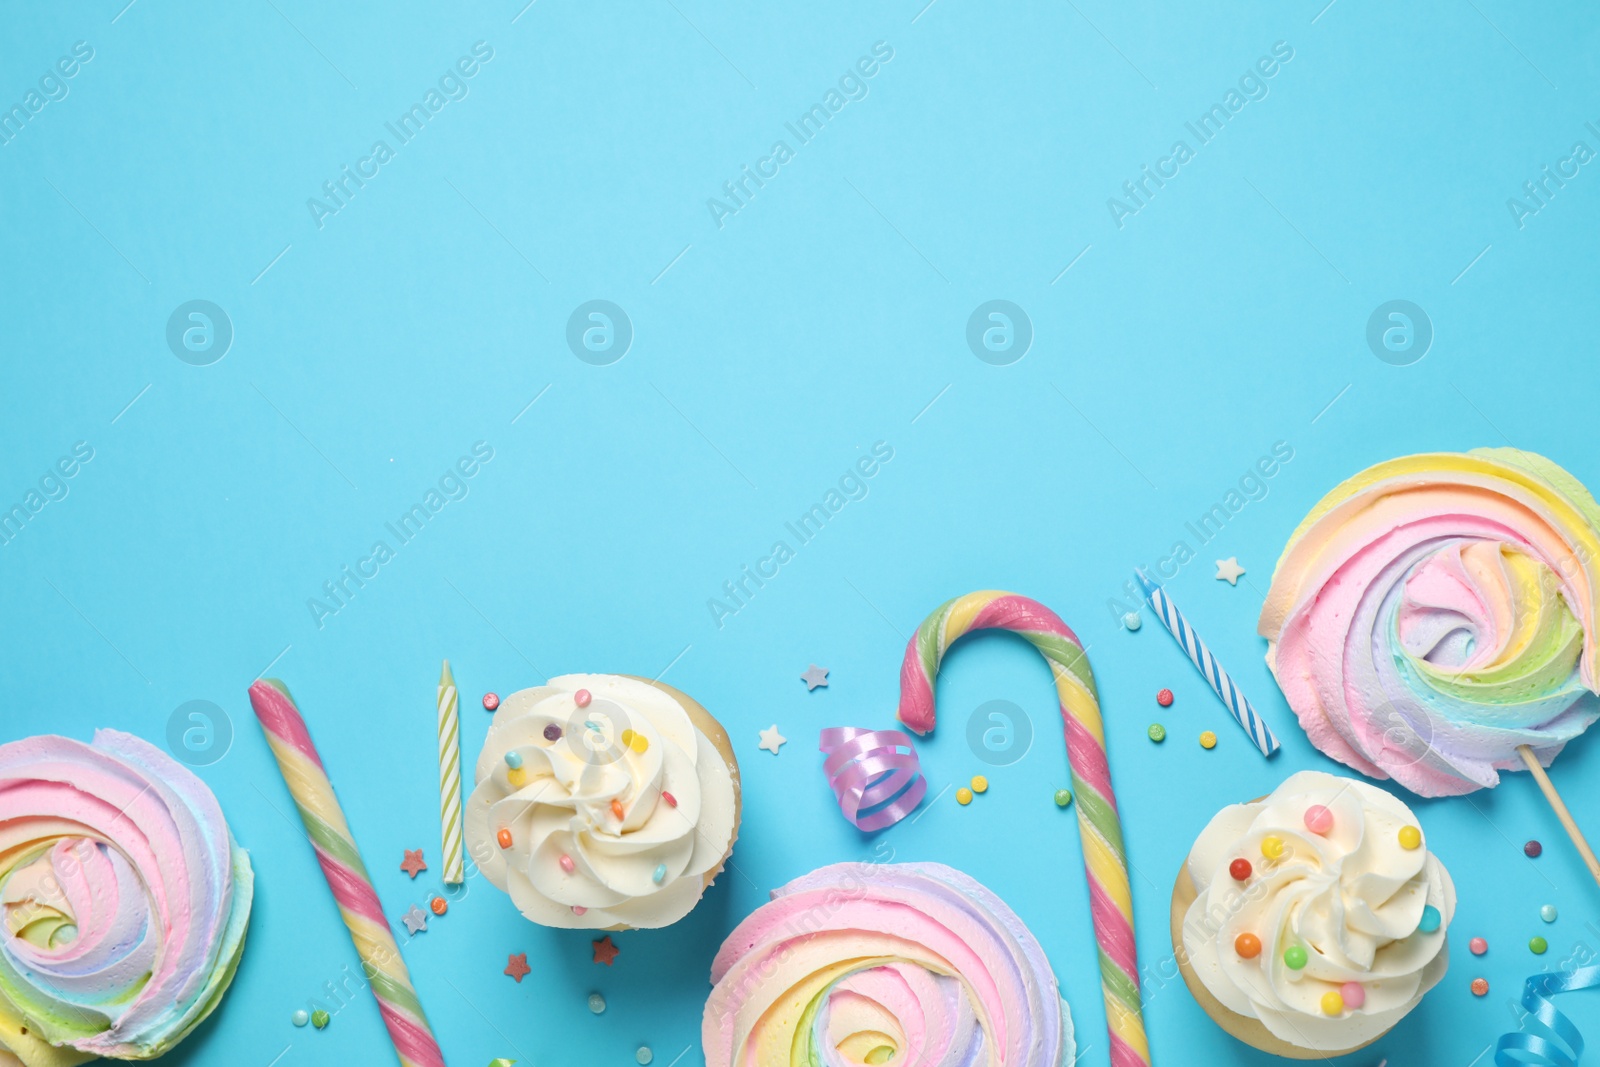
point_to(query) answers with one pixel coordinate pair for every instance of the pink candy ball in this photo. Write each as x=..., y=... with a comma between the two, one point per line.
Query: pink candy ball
x=581, y=698
x=1319, y=820
x=1478, y=946
x=1354, y=994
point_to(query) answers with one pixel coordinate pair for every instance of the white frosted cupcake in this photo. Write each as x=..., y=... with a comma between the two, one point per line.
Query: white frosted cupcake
x=1310, y=922
x=603, y=801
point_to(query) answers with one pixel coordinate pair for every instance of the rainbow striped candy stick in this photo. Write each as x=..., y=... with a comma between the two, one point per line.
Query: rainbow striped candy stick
x=1104, y=860
x=1243, y=712
x=450, y=779
x=347, y=876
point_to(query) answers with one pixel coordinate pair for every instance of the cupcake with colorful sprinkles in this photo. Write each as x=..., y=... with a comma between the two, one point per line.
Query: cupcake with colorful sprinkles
x=603, y=802
x=1310, y=922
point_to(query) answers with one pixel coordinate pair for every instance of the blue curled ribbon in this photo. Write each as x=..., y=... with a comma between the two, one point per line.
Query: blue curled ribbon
x=1564, y=1045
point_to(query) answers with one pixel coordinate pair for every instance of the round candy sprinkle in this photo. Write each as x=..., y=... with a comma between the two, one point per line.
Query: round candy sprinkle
x=640, y=743
x=1410, y=838
x=659, y=875
x=1133, y=620
x=439, y=905
x=1240, y=869
x=1538, y=946
x=1248, y=946
x=597, y=1003
x=1295, y=957
x=579, y=909
x=517, y=777
x=1532, y=849
x=616, y=809
x=1272, y=847
x=1319, y=820
x=963, y=795
x=1480, y=987
x=980, y=784
x=644, y=1055
x=1063, y=797
x=581, y=698
x=513, y=759
x=1208, y=740
x=1164, y=698
x=567, y=864
x=300, y=1018
x=504, y=837
x=1354, y=994
x=1478, y=946
x=1430, y=919
x=1332, y=1003
x=490, y=701
x=1548, y=913
x=552, y=732
x=671, y=800
x=320, y=1019
x=1157, y=732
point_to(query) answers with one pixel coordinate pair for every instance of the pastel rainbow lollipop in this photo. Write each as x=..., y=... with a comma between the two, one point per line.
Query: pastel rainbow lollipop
x=123, y=900
x=1433, y=620
x=1100, y=828
x=892, y=963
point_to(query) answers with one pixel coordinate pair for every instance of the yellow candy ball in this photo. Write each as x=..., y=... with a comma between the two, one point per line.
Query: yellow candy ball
x=963, y=795
x=1208, y=740
x=980, y=784
x=1332, y=1003
x=627, y=739
x=1410, y=837
x=640, y=743
x=517, y=776
x=1272, y=847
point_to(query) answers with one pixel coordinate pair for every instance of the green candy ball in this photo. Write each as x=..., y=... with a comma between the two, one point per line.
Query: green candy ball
x=1063, y=797
x=1295, y=957
x=1538, y=946
x=1158, y=733
x=320, y=1019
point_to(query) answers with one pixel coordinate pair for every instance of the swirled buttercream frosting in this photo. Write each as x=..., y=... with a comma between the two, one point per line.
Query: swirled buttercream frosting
x=123, y=896
x=603, y=801
x=859, y=963
x=1435, y=612
x=1320, y=912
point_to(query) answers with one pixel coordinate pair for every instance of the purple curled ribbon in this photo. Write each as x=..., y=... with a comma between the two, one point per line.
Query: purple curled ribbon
x=1559, y=1044
x=873, y=771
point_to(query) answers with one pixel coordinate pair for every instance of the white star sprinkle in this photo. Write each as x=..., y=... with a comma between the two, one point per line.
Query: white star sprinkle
x=772, y=740
x=1228, y=570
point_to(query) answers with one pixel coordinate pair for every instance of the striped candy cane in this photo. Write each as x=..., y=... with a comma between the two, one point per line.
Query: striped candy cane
x=1100, y=829
x=347, y=876
x=450, y=779
x=1243, y=712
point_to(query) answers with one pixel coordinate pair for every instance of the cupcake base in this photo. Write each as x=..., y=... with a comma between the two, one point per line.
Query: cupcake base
x=1251, y=1031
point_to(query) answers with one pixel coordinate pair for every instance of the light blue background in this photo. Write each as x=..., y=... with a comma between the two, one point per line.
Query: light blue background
x=828, y=314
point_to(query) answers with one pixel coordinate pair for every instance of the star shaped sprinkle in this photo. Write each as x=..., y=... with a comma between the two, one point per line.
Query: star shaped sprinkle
x=772, y=740
x=1228, y=570
x=414, y=863
x=815, y=676
x=517, y=966
x=605, y=951
x=416, y=920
